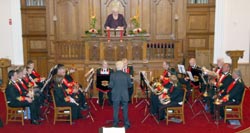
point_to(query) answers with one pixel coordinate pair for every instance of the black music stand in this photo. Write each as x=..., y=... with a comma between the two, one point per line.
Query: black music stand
x=146, y=86
x=199, y=99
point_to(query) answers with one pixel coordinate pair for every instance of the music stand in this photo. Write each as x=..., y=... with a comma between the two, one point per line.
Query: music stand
x=89, y=89
x=147, y=106
x=199, y=99
x=144, y=88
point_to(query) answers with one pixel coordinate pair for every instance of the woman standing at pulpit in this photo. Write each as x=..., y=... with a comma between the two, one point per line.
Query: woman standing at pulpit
x=115, y=20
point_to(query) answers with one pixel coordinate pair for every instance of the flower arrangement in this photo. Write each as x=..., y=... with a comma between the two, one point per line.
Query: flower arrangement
x=93, y=29
x=137, y=30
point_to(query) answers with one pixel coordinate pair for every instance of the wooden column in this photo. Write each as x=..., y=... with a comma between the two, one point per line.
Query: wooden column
x=4, y=64
x=235, y=55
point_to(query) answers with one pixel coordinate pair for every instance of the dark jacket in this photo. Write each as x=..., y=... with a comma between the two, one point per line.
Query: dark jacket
x=120, y=82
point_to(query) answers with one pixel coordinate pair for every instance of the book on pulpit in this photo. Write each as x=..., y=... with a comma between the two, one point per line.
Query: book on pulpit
x=114, y=32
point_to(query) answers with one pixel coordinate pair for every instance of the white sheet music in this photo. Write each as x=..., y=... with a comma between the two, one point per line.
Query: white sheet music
x=190, y=75
x=181, y=69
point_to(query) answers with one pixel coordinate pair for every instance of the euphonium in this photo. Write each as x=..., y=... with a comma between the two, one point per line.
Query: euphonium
x=158, y=88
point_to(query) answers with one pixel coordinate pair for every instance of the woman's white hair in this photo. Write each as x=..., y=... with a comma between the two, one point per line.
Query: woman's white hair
x=119, y=65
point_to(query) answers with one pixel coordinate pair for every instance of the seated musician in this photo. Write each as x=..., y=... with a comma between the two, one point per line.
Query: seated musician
x=16, y=97
x=62, y=99
x=28, y=89
x=166, y=73
x=116, y=20
x=102, y=82
x=129, y=69
x=221, y=85
x=173, y=97
x=233, y=93
x=69, y=83
x=220, y=63
x=35, y=75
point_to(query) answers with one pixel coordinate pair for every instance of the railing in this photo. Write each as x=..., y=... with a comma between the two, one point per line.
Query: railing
x=165, y=49
x=132, y=49
x=66, y=50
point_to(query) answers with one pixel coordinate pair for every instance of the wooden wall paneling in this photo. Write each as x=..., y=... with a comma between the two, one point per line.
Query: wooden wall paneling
x=163, y=19
x=145, y=11
x=67, y=20
x=41, y=62
x=203, y=58
x=198, y=22
x=198, y=42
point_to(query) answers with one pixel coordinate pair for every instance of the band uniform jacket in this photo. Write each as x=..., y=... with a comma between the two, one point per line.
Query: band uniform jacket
x=236, y=93
x=120, y=82
x=222, y=85
x=176, y=93
x=196, y=72
x=103, y=78
x=14, y=93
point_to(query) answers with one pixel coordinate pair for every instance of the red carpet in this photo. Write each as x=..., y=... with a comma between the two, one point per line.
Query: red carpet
x=198, y=124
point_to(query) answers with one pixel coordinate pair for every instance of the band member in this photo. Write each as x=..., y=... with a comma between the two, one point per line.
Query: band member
x=26, y=84
x=120, y=82
x=102, y=81
x=218, y=69
x=221, y=85
x=34, y=74
x=69, y=85
x=16, y=98
x=166, y=73
x=171, y=98
x=62, y=99
x=129, y=70
x=234, y=92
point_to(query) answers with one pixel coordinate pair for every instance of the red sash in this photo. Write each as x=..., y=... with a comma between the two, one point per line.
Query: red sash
x=171, y=89
x=231, y=86
x=18, y=88
x=23, y=85
x=36, y=74
x=127, y=70
x=165, y=73
x=221, y=79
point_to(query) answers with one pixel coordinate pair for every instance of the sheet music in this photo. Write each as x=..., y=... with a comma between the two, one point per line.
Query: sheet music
x=181, y=69
x=190, y=75
x=147, y=81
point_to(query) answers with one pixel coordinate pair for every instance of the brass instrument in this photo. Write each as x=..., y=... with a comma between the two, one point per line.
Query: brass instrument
x=164, y=97
x=157, y=88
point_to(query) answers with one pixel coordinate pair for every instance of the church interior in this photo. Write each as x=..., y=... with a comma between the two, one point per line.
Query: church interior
x=74, y=33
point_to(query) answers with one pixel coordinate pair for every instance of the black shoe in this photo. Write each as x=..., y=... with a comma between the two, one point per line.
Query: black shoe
x=41, y=119
x=115, y=125
x=84, y=108
x=35, y=122
x=127, y=127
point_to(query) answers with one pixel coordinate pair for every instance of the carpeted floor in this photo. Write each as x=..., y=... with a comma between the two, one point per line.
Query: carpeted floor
x=136, y=115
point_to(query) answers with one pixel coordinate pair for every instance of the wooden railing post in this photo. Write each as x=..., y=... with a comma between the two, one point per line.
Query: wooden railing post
x=86, y=51
x=4, y=64
x=144, y=51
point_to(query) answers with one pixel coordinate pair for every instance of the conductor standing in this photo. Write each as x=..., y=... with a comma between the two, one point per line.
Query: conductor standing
x=120, y=82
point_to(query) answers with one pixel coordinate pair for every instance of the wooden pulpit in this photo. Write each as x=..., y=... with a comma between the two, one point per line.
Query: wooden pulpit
x=4, y=64
x=235, y=55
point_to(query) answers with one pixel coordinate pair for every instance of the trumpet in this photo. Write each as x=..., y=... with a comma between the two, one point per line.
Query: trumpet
x=210, y=73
